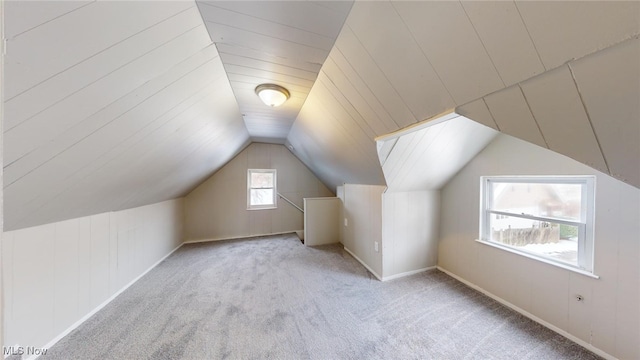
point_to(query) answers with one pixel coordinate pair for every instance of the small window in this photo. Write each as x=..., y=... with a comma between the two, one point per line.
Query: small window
x=549, y=218
x=261, y=189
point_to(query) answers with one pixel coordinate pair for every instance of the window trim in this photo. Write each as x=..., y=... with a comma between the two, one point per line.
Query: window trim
x=275, y=190
x=585, y=225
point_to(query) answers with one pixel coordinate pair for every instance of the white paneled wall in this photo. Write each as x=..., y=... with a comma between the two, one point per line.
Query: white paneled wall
x=217, y=209
x=56, y=274
x=362, y=224
x=2, y=313
x=410, y=222
x=609, y=317
x=322, y=220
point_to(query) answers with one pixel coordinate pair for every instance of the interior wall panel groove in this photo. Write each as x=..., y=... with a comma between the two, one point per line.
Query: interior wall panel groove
x=24, y=69
x=415, y=81
x=94, y=128
x=94, y=99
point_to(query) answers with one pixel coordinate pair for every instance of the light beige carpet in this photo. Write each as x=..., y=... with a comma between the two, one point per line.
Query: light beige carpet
x=274, y=298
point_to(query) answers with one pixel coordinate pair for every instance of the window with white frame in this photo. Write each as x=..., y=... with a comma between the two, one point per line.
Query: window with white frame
x=549, y=218
x=261, y=189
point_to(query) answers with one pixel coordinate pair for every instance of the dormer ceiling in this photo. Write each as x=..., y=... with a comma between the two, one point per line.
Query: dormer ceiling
x=114, y=104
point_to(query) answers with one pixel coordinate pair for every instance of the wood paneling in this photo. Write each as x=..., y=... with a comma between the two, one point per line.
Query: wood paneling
x=466, y=70
x=54, y=46
x=409, y=231
x=363, y=212
x=58, y=273
x=410, y=74
x=322, y=221
x=564, y=30
x=477, y=111
x=104, y=117
x=511, y=112
x=426, y=158
x=470, y=55
x=608, y=316
x=556, y=105
x=505, y=38
x=277, y=42
x=217, y=209
x=609, y=87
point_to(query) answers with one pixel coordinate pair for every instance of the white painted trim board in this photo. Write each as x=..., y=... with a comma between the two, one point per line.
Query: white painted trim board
x=363, y=264
x=407, y=273
x=240, y=237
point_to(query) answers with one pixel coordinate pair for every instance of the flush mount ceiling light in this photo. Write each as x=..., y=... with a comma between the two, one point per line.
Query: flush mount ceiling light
x=272, y=94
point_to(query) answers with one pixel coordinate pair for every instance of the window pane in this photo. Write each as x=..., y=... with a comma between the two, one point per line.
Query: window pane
x=261, y=180
x=556, y=241
x=262, y=197
x=562, y=201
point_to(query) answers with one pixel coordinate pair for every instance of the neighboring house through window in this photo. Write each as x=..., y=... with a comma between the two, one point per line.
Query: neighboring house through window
x=548, y=218
x=261, y=189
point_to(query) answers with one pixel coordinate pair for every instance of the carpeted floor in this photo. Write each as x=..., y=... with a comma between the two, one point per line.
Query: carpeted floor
x=274, y=298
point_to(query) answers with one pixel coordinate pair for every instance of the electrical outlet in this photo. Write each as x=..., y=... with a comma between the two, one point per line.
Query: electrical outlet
x=375, y=246
x=346, y=222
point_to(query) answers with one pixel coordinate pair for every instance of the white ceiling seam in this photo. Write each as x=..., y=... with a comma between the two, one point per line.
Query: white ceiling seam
x=48, y=154
x=66, y=122
x=93, y=133
x=557, y=98
x=144, y=101
x=586, y=110
x=464, y=80
x=609, y=86
x=48, y=11
x=358, y=101
x=63, y=179
x=415, y=82
x=533, y=116
x=11, y=103
x=22, y=63
x=552, y=96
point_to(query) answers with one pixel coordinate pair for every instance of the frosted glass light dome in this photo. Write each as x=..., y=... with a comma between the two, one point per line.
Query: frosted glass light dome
x=272, y=94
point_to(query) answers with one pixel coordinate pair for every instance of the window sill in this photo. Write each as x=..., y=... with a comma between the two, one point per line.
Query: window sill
x=263, y=208
x=541, y=259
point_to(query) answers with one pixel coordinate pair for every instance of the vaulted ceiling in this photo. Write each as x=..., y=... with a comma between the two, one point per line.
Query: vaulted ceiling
x=110, y=105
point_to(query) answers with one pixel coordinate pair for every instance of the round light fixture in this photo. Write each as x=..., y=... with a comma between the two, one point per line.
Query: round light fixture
x=272, y=94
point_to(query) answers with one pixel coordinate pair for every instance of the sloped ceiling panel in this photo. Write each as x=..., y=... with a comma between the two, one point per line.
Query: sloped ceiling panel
x=397, y=63
x=281, y=42
x=556, y=105
x=111, y=105
x=106, y=98
x=505, y=38
x=337, y=149
x=588, y=110
x=568, y=30
x=427, y=156
x=609, y=86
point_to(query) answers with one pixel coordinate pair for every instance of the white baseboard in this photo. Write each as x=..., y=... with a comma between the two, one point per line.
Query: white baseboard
x=531, y=316
x=363, y=264
x=240, y=237
x=407, y=273
x=99, y=307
